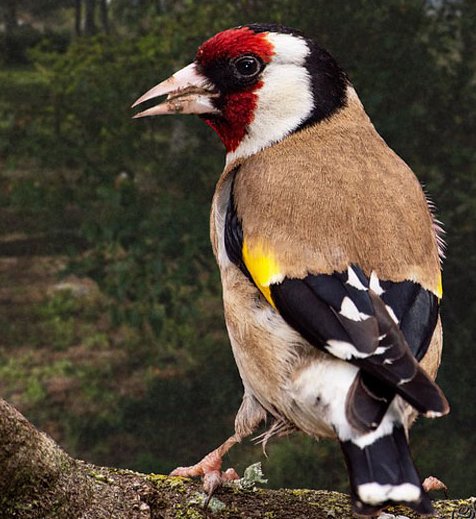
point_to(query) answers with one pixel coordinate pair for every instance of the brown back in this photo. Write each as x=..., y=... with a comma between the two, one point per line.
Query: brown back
x=335, y=194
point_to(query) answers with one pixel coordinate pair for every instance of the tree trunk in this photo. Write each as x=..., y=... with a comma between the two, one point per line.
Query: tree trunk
x=77, y=17
x=103, y=10
x=90, y=18
x=40, y=481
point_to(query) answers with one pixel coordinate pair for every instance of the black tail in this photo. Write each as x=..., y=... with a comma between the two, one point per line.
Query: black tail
x=369, y=398
x=383, y=473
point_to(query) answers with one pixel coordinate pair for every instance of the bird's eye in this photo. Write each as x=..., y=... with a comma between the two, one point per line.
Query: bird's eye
x=247, y=66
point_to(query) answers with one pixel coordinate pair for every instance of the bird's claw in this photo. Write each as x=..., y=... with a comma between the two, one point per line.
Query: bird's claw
x=211, y=473
x=215, y=479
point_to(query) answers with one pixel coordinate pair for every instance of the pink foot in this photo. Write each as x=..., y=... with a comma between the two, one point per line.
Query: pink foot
x=210, y=469
x=432, y=483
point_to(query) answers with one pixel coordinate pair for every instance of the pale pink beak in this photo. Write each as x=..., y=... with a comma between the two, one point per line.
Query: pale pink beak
x=188, y=92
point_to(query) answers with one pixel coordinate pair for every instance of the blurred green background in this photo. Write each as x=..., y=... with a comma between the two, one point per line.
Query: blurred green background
x=112, y=335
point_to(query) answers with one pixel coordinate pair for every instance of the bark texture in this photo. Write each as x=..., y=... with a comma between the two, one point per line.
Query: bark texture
x=38, y=480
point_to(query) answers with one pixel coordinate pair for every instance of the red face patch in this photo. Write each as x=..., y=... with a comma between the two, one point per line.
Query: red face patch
x=237, y=114
x=234, y=42
x=238, y=108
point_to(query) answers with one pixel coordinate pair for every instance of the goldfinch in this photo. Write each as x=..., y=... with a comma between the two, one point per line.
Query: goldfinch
x=329, y=258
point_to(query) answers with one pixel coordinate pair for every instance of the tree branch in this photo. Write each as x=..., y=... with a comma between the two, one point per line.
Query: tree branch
x=38, y=480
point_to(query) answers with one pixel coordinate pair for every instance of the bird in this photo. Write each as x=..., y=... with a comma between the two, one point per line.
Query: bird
x=329, y=254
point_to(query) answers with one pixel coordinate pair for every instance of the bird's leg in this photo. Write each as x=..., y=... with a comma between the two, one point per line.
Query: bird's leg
x=248, y=418
x=210, y=467
x=432, y=483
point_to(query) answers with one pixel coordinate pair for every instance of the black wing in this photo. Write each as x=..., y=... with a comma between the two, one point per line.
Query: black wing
x=343, y=315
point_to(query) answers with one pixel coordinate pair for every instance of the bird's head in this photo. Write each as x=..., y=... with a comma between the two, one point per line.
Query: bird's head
x=254, y=85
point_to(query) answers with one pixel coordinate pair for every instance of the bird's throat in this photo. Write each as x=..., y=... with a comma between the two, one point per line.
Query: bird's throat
x=237, y=113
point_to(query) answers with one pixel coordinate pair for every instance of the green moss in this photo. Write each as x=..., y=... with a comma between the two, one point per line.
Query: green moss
x=187, y=513
x=157, y=478
x=175, y=482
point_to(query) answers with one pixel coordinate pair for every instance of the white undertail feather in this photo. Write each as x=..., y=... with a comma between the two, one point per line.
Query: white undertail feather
x=319, y=394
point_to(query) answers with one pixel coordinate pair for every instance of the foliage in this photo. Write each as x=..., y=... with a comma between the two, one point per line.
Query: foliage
x=142, y=190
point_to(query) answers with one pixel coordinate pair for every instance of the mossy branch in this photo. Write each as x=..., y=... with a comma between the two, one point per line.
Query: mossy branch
x=38, y=480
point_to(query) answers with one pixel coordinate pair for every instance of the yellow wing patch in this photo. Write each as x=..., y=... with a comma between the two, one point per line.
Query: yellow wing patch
x=439, y=288
x=263, y=267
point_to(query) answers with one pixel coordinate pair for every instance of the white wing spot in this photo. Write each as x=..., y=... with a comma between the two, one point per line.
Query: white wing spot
x=344, y=350
x=375, y=284
x=349, y=310
x=353, y=280
x=392, y=314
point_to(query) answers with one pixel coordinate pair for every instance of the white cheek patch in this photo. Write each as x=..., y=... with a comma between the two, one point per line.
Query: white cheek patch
x=288, y=48
x=284, y=101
